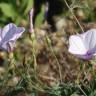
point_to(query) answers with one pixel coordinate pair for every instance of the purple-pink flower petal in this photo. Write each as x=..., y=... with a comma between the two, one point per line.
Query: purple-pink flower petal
x=83, y=45
x=8, y=36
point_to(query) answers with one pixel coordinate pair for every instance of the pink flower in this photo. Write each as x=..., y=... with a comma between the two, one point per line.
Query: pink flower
x=83, y=45
x=8, y=36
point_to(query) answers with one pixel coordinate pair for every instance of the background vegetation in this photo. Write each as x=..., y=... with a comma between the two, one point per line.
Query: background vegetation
x=42, y=66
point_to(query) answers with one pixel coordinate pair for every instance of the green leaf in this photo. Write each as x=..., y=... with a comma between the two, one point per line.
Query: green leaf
x=74, y=94
x=7, y=9
x=40, y=17
x=29, y=6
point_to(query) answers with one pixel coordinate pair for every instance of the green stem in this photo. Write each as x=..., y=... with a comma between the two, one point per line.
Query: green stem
x=74, y=15
x=58, y=64
x=82, y=90
x=34, y=52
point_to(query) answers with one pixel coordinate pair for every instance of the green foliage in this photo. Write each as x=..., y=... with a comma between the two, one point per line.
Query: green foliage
x=17, y=11
x=10, y=10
